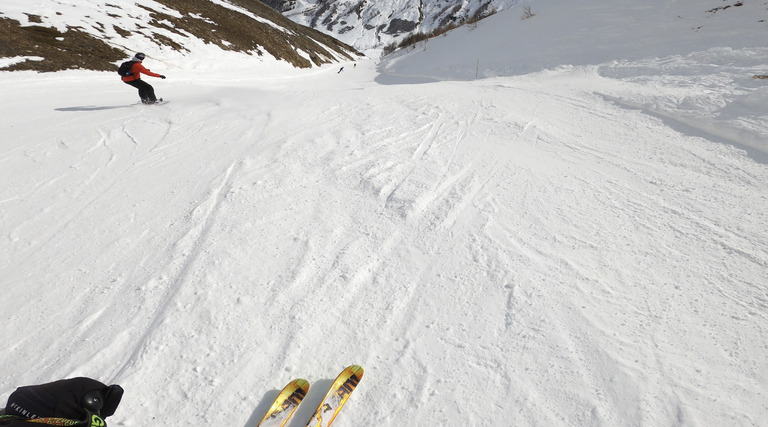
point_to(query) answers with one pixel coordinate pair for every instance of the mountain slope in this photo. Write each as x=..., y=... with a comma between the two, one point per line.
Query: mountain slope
x=710, y=38
x=374, y=24
x=506, y=44
x=94, y=35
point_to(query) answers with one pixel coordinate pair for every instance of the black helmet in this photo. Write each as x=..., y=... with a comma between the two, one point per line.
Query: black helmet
x=140, y=56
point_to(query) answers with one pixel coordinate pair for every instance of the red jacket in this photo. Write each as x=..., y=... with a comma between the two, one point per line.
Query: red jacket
x=137, y=69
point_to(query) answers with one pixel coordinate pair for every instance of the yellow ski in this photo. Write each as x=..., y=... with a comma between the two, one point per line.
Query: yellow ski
x=336, y=397
x=285, y=404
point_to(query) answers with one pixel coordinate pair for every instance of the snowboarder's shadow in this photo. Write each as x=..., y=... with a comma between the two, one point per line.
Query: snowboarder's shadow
x=92, y=108
x=317, y=391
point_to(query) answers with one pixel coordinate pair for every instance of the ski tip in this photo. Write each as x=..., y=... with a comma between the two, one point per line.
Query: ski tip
x=355, y=369
x=301, y=383
x=297, y=384
x=285, y=403
x=337, y=396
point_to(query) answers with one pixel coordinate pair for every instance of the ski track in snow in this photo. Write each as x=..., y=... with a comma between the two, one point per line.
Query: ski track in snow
x=526, y=246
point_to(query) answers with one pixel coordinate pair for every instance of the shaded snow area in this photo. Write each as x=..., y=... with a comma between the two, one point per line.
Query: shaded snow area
x=578, y=244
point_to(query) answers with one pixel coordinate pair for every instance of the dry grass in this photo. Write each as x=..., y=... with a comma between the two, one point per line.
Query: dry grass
x=62, y=51
x=225, y=28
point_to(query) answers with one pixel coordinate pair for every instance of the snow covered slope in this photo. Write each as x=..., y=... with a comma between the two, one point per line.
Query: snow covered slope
x=713, y=45
x=374, y=24
x=576, y=243
x=583, y=32
x=52, y=35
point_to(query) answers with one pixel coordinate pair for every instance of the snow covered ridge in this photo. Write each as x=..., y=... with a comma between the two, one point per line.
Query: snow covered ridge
x=95, y=34
x=716, y=46
x=583, y=32
x=374, y=24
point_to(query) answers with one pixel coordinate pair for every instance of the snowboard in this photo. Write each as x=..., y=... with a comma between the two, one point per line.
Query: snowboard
x=285, y=404
x=760, y=76
x=160, y=101
x=336, y=397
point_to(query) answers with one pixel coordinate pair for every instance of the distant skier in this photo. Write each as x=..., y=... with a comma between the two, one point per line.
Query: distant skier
x=76, y=401
x=131, y=74
x=340, y=70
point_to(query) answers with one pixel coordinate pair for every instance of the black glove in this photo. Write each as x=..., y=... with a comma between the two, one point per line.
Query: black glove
x=162, y=77
x=75, y=398
x=102, y=402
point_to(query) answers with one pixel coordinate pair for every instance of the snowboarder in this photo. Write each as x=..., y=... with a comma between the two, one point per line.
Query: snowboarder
x=146, y=91
x=82, y=400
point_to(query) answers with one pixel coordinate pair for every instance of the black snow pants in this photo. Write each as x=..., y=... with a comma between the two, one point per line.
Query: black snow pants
x=146, y=91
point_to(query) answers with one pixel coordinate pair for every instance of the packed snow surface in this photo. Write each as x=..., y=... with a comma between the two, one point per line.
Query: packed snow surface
x=581, y=242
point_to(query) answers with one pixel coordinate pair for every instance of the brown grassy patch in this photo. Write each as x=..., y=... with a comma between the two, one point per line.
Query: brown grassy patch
x=235, y=31
x=62, y=51
x=225, y=28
